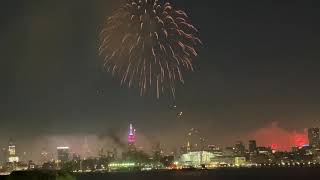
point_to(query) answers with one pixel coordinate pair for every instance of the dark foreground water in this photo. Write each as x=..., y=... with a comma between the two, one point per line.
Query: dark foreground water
x=218, y=174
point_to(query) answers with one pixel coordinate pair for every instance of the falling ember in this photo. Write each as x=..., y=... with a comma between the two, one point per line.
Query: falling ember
x=149, y=44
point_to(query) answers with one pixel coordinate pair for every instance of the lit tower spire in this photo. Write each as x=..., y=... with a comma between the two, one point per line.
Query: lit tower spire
x=131, y=135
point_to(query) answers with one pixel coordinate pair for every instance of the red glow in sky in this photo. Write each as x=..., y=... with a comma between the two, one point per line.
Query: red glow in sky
x=278, y=138
x=274, y=146
x=300, y=140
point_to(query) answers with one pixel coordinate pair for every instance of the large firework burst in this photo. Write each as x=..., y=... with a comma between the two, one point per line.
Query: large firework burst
x=149, y=44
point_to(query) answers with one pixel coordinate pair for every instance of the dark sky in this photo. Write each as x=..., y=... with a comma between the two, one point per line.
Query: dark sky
x=259, y=64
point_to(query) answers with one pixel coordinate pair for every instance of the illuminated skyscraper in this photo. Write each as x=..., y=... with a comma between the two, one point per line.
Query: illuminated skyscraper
x=313, y=136
x=44, y=157
x=131, y=134
x=11, y=149
x=12, y=156
x=63, y=154
x=131, y=137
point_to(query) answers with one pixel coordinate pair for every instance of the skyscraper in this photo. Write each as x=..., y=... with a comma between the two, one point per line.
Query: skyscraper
x=157, y=152
x=131, y=134
x=131, y=138
x=252, y=146
x=86, y=149
x=239, y=148
x=63, y=154
x=44, y=157
x=313, y=136
x=12, y=152
x=3, y=156
x=11, y=149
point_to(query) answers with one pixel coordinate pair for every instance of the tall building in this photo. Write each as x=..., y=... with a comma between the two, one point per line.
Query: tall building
x=313, y=136
x=157, y=152
x=12, y=156
x=3, y=156
x=76, y=157
x=252, y=146
x=63, y=154
x=115, y=153
x=11, y=148
x=131, y=138
x=239, y=149
x=86, y=149
x=195, y=142
x=44, y=157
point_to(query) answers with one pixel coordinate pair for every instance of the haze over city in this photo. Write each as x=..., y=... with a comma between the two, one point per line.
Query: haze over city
x=256, y=77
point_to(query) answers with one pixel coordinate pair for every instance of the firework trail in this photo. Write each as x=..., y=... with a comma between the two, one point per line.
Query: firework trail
x=149, y=44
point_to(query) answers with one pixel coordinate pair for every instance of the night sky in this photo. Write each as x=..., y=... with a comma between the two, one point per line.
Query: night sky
x=258, y=68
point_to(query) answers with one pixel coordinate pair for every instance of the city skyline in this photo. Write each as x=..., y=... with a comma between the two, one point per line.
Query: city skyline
x=256, y=75
x=93, y=147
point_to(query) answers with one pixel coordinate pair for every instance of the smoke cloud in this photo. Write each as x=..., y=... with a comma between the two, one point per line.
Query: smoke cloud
x=278, y=138
x=112, y=135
